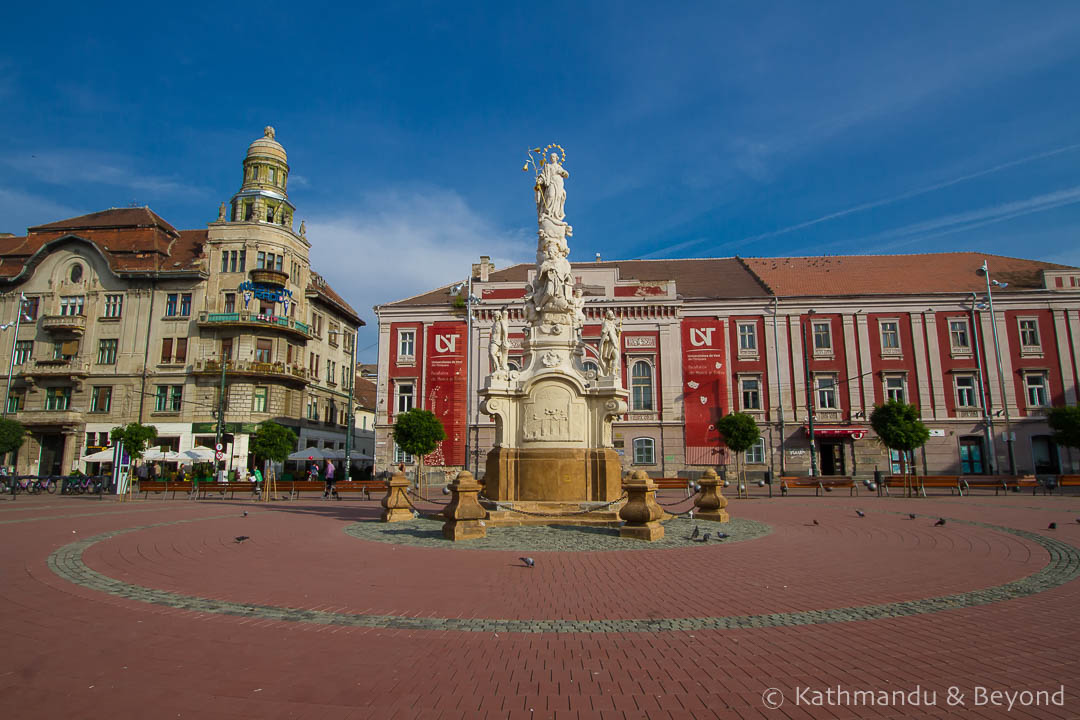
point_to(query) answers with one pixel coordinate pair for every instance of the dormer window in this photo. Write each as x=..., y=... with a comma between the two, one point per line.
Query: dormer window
x=76, y=273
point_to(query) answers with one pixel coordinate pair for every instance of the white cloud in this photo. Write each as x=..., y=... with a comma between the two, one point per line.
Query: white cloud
x=20, y=210
x=85, y=167
x=397, y=244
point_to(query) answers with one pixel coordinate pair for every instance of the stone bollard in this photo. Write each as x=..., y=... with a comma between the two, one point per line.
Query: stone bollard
x=710, y=502
x=395, y=503
x=464, y=515
x=641, y=513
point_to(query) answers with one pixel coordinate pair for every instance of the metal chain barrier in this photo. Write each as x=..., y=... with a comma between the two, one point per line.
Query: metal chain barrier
x=677, y=502
x=417, y=495
x=500, y=504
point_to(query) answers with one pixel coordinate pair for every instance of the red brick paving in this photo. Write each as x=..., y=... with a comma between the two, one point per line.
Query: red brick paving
x=74, y=652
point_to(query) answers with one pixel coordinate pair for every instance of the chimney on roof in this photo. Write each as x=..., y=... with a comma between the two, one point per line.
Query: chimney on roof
x=597, y=257
x=482, y=270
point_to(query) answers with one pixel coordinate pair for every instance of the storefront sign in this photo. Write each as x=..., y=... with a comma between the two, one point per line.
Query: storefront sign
x=265, y=292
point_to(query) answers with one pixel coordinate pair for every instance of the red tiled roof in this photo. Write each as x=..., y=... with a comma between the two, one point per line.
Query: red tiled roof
x=895, y=274
x=364, y=393
x=111, y=218
x=321, y=289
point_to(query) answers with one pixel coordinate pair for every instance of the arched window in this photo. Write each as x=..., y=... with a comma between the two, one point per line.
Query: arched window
x=644, y=451
x=590, y=365
x=76, y=273
x=641, y=383
x=513, y=365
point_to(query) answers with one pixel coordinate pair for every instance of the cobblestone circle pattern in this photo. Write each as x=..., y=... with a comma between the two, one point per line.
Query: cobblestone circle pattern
x=556, y=538
x=1063, y=566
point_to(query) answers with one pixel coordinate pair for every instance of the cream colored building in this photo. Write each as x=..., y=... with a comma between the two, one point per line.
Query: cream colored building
x=127, y=319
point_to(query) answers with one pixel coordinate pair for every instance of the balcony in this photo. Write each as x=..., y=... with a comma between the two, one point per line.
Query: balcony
x=266, y=276
x=297, y=329
x=293, y=374
x=65, y=324
x=58, y=368
x=34, y=418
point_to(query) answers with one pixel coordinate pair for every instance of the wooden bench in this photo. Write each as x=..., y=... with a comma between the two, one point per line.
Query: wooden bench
x=296, y=488
x=1023, y=483
x=675, y=483
x=1063, y=481
x=917, y=484
x=821, y=484
x=162, y=486
x=210, y=488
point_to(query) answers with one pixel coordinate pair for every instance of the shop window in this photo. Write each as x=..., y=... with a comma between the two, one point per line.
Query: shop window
x=756, y=454
x=751, y=392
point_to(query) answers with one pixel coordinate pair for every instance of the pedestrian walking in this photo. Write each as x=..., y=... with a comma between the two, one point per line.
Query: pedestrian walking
x=331, y=491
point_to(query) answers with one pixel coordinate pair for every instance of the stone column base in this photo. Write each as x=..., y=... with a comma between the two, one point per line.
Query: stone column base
x=553, y=475
x=715, y=516
x=463, y=530
x=649, y=531
x=464, y=514
x=395, y=504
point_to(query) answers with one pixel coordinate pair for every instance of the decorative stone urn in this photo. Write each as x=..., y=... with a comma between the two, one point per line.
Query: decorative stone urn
x=641, y=513
x=395, y=503
x=464, y=515
x=710, y=501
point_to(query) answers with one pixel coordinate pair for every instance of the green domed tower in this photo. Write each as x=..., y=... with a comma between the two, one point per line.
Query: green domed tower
x=263, y=195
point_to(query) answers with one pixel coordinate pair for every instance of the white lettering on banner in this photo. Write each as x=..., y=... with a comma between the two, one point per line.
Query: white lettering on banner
x=445, y=343
x=701, y=336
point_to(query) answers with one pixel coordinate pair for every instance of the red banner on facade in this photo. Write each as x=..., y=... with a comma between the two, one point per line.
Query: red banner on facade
x=445, y=389
x=704, y=389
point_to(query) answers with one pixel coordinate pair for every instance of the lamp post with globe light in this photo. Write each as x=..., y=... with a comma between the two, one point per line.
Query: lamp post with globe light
x=984, y=272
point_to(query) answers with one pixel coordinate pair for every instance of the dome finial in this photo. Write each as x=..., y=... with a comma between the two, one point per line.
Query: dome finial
x=268, y=131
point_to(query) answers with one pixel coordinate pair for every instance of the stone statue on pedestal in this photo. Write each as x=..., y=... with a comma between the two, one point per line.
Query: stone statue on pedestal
x=610, y=343
x=221, y=213
x=499, y=345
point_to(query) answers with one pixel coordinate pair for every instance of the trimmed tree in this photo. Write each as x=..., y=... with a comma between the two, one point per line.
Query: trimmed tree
x=418, y=432
x=136, y=438
x=12, y=434
x=740, y=433
x=1065, y=422
x=899, y=427
x=272, y=441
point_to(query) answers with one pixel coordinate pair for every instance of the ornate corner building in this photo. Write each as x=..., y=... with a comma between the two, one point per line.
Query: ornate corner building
x=125, y=318
x=780, y=339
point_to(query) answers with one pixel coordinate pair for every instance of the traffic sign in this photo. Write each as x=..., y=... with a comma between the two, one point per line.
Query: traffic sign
x=220, y=456
x=219, y=447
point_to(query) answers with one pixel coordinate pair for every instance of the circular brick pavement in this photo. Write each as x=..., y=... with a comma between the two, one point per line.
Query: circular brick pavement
x=1063, y=566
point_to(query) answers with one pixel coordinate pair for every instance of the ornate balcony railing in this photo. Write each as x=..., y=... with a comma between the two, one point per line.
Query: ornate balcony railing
x=277, y=370
x=74, y=324
x=266, y=276
x=251, y=319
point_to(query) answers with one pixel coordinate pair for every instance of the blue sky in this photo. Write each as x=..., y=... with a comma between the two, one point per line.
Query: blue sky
x=690, y=130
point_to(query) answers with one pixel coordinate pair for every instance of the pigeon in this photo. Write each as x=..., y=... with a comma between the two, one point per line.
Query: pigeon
x=705, y=538
x=1052, y=526
x=446, y=490
x=940, y=522
x=815, y=522
x=721, y=535
x=242, y=538
x=245, y=513
x=1078, y=521
x=911, y=516
x=828, y=489
x=697, y=531
x=529, y=562
x=860, y=513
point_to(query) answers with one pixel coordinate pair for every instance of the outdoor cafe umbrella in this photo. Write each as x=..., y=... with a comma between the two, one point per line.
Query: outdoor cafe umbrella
x=156, y=454
x=199, y=453
x=100, y=456
x=311, y=453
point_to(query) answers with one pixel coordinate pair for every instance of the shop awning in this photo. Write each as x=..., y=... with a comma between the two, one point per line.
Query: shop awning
x=837, y=431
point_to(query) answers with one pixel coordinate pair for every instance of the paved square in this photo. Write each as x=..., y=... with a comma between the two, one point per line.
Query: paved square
x=153, y=609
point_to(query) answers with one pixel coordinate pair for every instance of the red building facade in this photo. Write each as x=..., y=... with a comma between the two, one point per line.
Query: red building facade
x=779, y=339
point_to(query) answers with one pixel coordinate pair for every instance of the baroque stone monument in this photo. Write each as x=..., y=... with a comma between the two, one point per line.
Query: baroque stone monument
x=553, y=417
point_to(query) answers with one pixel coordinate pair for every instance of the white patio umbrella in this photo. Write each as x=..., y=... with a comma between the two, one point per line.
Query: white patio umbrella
x=199, y=453
x=156, y=454
x=311, y=453
x=100, y=456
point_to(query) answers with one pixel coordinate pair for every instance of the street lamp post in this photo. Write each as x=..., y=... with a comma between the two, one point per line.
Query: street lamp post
x=984, y=271
x=809, y=400
x=988, y=420
x=14, y=343
x=349, y=418
x=780, y=393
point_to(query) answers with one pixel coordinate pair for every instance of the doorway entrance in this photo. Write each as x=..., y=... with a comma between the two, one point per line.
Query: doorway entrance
x=51, y=459
x=971, y=456
x=832, y=457
x=1044, y=454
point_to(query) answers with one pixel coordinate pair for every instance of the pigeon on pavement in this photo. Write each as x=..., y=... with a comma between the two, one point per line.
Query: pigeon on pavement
x=242, y=538
x=705, y=538
x=529, y=562
x=911, y=515
x=940, y=522
x=815, y=522
x=1052, y=526
x=721, y=535
x=697, y=531
x=245, y=513
x=860, y=513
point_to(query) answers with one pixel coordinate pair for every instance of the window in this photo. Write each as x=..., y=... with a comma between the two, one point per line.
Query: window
x=242, y=261
x=65, y=349
x=329, y=370
x=513, y=364
x=260, y=260
x=185, y=304
x=589, y=365
x=100, y=399
x=171, y=302
x=76, y=273
x=166, y=350
x=16, y=401
x=644, y=451
x=826, y=392
x=1035, y=388
x=249, y=211
x=23, y=350
x=234, y=260
x=114, y=306
x=756, y=454
x=264, y=350
x=58, y=398
x=958, y=336
x=106, y=353
x=1029, y=334
x=181, y=350
x=259, y=400
x=895, y=388
x=406, y=343
x=751, y=392
x=405, y=397
x=332, y=334
x=30, y=309
x=890, y=337
x=230, y=302
x=641, y=384
x=747, y=338
x=312, y=409
x=822, y=337
x=273, y=175
x=225, y=261
x=226, y=349
x=72, y=304
x=965, y=391
x=168, y=398
x=400, y=456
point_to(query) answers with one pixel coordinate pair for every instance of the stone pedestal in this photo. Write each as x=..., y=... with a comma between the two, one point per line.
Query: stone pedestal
x=553, y=475
x=395, y=503
x=641, y=513
x=464, y=515
x=710, y=502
